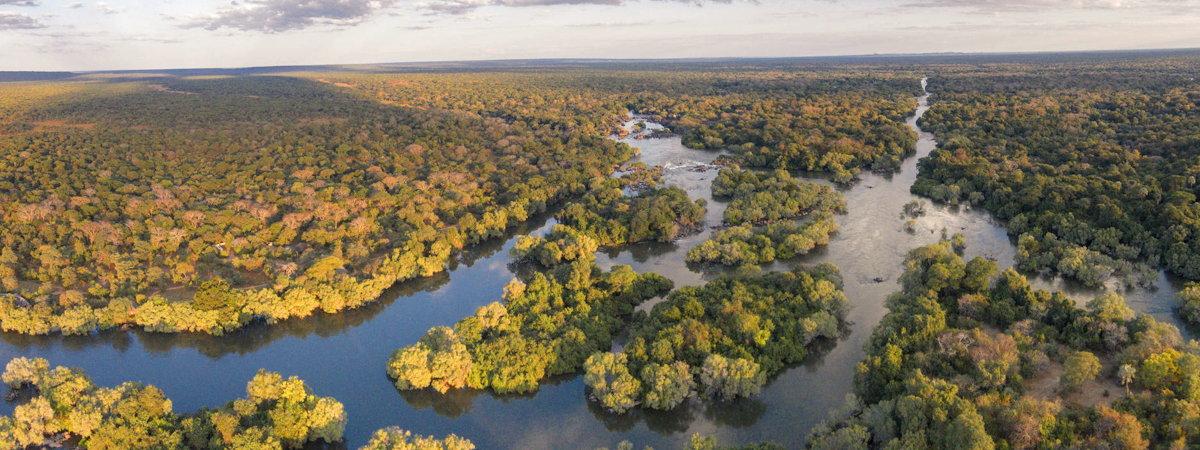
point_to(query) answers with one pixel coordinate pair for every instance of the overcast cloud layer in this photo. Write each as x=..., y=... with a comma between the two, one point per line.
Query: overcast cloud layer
x=124, y=34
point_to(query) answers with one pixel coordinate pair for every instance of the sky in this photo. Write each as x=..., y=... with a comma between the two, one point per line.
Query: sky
x=157, y=34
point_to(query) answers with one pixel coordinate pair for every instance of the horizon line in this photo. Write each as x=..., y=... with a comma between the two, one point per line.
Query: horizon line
x=416, y=64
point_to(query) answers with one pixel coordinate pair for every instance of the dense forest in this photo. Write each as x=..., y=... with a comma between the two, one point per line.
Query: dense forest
x=613, y=215
x=770, y=216
x=721, y=340
x=968, y=358
x=837, y=124
x=204, y=203
x=1092, y=165
x=267, y=197
x=61, y=406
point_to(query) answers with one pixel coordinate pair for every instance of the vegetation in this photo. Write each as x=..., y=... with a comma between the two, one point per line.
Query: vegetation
x=828, y=121
x=177, y=204
x=772, y=216
x=548, y=323
x=1080, y=367
x=201, y=204
x=835, y=126
x=1092, y=164
x=1189, y=306
x=612, y=218
x=721, y=340
x=702, y=442
x=746, y=244
x=62, y=404
x=966, y=358
x=761, y=198
x=397, y=439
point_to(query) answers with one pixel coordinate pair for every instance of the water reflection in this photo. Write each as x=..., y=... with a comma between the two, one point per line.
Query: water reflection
x=451, y=404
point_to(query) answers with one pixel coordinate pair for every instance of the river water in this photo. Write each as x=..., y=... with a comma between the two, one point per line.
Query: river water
x=344, y=355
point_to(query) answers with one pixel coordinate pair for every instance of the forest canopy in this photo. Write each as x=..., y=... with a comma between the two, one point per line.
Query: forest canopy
x=1093, y=165
x=769, y=216
x=970, y=358
x=201, y=204
x=721, y=340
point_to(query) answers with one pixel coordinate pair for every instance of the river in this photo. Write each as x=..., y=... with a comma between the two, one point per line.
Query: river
x=344, y=355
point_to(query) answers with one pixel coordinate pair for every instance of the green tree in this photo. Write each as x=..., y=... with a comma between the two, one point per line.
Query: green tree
x=730, y=378
x=610, y=383
x=1080, y=367
x=393, y=438
x=438, y=360
x=667, y=385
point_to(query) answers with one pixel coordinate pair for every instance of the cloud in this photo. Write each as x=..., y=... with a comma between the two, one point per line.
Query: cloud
x=19, y=2
x=273, y=16
x=105, y=8
x=465, y=6
x=631, y=24
x=150, y=39
x=73, y=41
x=13, y=21
x=994, y=6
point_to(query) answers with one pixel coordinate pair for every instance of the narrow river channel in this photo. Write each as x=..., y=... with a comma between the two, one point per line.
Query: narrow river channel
x=344, y=355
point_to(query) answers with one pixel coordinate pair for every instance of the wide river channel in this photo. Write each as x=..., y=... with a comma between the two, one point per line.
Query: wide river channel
x=345, y=355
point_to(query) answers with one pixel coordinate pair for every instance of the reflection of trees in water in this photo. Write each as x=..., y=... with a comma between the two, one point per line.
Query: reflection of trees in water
x=614, y=422
x=256, y=336
x=322, y=445
x=711, y=271
x=677, y=420
x=642, y=252
x=248, y=339
x=817, y=351
x=452, y=404
x=674, y=421
x=457, y=402
x=260, y=335
x=119, y=340
x=739, y=413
